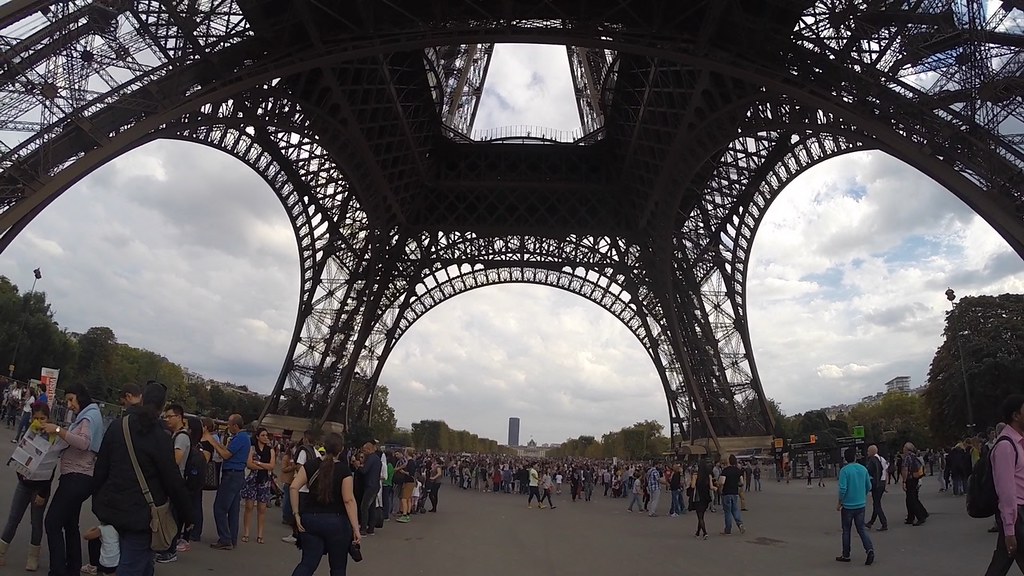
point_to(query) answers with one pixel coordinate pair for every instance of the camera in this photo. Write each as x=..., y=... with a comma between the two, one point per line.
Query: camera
x=355, y=552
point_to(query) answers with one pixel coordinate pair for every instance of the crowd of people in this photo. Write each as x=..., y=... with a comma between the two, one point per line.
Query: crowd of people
x=155, y=456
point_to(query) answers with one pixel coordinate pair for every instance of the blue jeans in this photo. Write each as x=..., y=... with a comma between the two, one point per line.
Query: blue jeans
x=731, y=508
x=855, y=517
x=26, y=419
x=286, y=508
x=225, y=506
x=136, y=555
x=21, y=501
x=634, y=498
x=328, y=534
x=678, y=502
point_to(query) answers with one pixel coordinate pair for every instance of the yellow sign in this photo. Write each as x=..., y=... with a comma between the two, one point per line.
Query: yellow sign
x=779, y=442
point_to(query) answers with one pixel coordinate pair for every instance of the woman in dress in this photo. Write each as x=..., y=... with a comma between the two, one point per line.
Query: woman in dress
x=77, y=465
x=28, y=493
x=325, y=518
x=256, y=490
x=701, y=486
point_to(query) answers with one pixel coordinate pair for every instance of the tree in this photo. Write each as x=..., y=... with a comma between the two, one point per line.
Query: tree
x=382, y=416
x=897, y=418
x=26, y=323
x=97, y=350
x=991, y=338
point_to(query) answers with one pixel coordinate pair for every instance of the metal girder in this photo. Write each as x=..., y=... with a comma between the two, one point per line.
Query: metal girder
x=359, y=119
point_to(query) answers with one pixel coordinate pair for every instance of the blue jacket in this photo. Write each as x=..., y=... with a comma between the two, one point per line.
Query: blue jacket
x=96, y=430
x=854, y=485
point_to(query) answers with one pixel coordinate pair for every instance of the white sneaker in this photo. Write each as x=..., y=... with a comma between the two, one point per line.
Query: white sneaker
x=289, y=539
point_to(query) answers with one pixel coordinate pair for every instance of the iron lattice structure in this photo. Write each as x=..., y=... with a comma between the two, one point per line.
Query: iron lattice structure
x=360, y=116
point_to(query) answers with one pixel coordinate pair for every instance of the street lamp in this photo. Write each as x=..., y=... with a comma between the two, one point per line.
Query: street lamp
x=36, y=276
x=951, y=296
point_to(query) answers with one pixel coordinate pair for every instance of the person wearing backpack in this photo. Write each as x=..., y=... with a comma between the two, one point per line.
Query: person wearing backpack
x=1008, y=478
x=174, y=417
x=913, y=471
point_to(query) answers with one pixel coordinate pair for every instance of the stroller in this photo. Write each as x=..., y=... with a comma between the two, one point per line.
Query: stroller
x=276, y=494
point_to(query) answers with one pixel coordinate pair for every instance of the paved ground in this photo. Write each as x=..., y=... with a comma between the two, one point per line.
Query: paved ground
x=790, y=529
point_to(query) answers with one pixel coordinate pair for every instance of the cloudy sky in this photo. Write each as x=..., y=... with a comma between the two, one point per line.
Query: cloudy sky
x=183, y=250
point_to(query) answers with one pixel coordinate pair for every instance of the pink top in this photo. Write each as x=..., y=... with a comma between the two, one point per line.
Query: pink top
x=1009, y=480
x=77, y=458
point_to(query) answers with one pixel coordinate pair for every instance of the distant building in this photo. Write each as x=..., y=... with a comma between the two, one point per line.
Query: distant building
x=513, y=431
x=531, y=450
x=898, y=384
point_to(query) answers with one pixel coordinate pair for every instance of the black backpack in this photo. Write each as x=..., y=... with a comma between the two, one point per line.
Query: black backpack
x=982, y=500
x=195, y=469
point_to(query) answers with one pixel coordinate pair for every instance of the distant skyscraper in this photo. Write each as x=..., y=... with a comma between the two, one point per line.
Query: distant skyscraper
x=513, y=431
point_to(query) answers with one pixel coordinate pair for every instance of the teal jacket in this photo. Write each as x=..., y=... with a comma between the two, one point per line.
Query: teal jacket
x=854, y=485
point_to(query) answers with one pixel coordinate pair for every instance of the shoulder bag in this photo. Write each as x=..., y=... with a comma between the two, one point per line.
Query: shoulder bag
x=161, y=520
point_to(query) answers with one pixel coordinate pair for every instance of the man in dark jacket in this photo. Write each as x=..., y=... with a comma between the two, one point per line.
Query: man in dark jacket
x=371, y=486
x=875, y=469
x=119, y=501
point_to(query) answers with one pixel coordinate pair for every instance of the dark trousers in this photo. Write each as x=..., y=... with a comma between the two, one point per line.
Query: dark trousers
x=876, y=507
x=62, y=534
x=1001, y=561
x=136, y=555
x=386, y=501
x=915, y=510
x=328, y=534
x=432, y=494
x=196, y=533
x=366, y=507
x=854, y=518
x=225, y=506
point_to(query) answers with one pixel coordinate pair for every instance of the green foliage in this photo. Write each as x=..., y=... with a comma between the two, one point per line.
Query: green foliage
x=640, y=441
x=382, y=416
x=104, y=365
x=436, y=435
x=895, y=419
x=28, y=318
x=991, y=335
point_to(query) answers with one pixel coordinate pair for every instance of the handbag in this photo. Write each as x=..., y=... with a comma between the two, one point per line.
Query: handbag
x=161, y=520
x=212, y=481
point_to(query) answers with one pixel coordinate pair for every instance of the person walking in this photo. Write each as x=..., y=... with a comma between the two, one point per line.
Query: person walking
x=77, y=464
x=1007, y=456
x=702, y=486
x=875, y=470
x=854, y=486
x=119, y=500
x=730, y=483
x=228, y=500
x=326, y=518
x=913, y=471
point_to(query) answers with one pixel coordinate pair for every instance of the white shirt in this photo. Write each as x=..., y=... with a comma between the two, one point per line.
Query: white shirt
x=110, y=547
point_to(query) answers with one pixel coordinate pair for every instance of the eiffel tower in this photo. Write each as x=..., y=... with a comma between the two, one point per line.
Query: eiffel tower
x=360, y=115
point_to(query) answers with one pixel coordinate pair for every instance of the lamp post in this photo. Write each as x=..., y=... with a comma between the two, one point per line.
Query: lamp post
x=951, y=296
x=36, y=276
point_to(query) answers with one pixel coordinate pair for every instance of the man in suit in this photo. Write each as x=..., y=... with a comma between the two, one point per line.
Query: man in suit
x=875, y=468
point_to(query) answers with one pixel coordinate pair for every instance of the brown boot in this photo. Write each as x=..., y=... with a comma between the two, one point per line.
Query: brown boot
x=3, y=553
x=32, y=564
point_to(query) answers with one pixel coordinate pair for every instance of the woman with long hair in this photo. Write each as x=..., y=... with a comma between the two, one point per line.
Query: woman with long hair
x=326, y=519
x=701, y=485
x=28, y=493
x=256, y=490
x=193, y=534
x=77, y=464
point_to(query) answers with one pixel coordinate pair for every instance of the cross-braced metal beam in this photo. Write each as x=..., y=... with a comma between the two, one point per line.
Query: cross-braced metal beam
x=360, y=120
